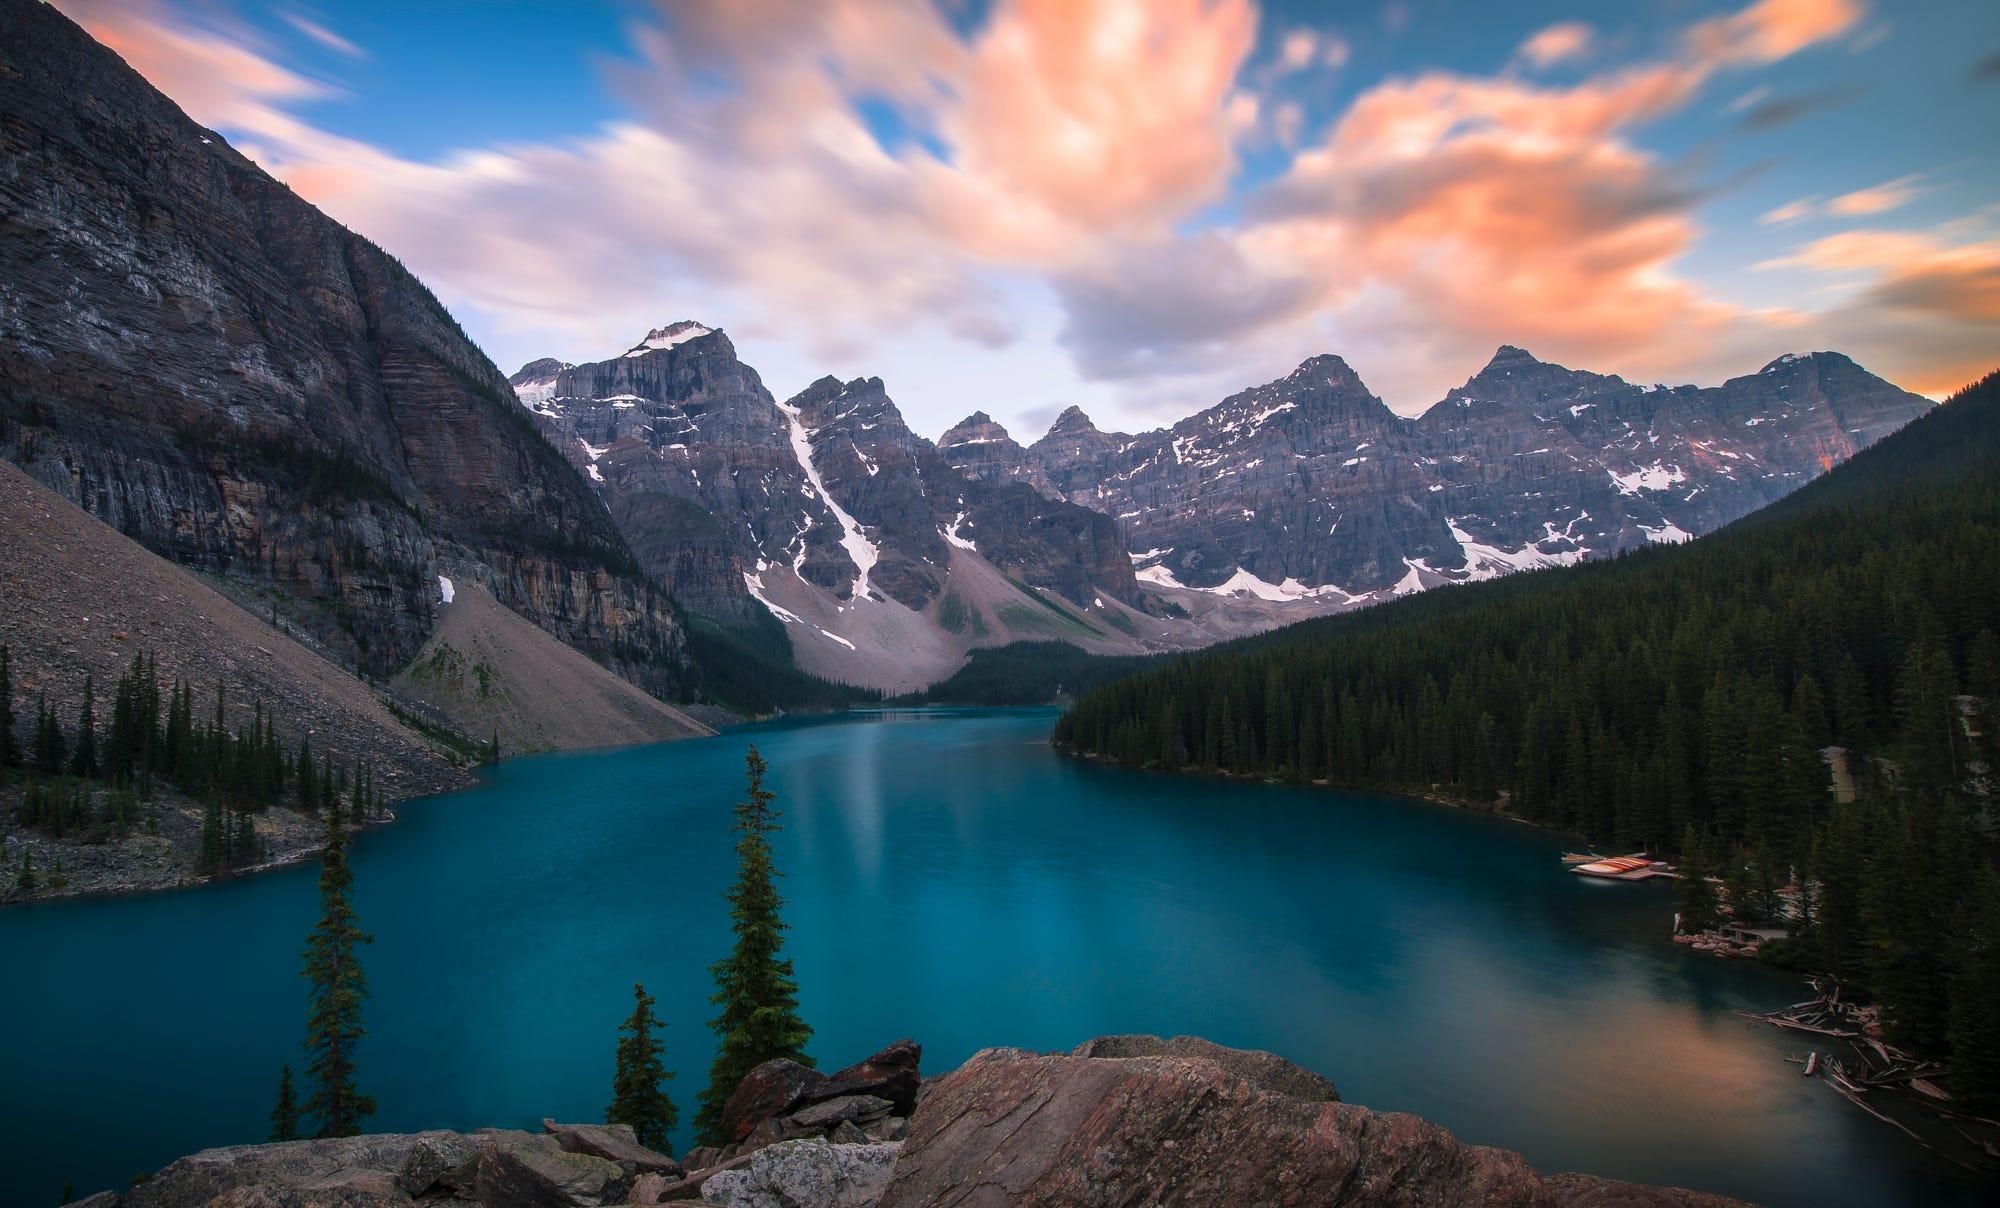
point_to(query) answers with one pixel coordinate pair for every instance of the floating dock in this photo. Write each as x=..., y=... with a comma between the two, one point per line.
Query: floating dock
x=1623, y=868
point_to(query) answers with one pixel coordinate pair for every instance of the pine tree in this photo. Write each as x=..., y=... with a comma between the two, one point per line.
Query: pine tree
x=1694, y=893
x=337, y=988
x=285, y=1116
x=49, y=744
x=1975, y=1007
x=84, y=761
x=754, y=987
x=10, y=752
x=638, y=1096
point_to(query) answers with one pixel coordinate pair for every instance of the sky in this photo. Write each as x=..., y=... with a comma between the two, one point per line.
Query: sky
x=1142, y=206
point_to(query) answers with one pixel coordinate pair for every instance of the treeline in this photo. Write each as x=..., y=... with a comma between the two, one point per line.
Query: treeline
x=1029, y=673
x=1688, y=698
x=96, y=780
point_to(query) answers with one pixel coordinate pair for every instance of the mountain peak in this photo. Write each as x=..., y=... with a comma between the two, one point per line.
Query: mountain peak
x=668, y=336
x=1797, y=358
x=1508, y=354
x=975, y=429
x=1072, y=421
x=543, y=367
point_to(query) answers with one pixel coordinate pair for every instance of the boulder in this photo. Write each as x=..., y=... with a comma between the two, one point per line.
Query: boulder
x=1014, y=1127
x=701, y=1157
x=890, y=1074
x=895, y=1128
x=1265, y=1071
x=860, y=1109
x=614, y=1143
x=771, y=1131
x=807, y=1172
x=780, y=1087
x=521, y=1170
x=434, y=1159
x=775, y=1088
x=647, y=1189
x=268, y=1173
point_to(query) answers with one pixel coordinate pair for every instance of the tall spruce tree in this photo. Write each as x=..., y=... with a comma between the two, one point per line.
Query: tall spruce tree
x=10, y=752
x=285, y=1115
x=337, y=987
x=754, y=987
x=84, y=761
x=638, y=1091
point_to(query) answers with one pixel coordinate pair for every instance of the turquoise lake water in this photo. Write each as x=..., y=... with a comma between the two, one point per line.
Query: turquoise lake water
x=952, y=879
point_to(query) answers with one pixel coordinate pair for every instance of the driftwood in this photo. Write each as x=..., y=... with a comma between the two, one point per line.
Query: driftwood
x=1875, y=1066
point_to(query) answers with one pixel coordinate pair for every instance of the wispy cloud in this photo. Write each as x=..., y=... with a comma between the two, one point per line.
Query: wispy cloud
x=1065, y=188
x=321, y=34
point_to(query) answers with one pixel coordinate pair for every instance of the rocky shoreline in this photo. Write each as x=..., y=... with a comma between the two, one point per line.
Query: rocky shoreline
x=1121, y=1120
x=151, y=860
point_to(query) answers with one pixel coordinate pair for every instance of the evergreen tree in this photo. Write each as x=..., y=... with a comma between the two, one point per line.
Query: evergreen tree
x=754, y=987
x=25, y=879
x=49, y=744
x=84, y=761
x=1694, y=892
x=285, y=1116
x=638, y=1096
x=336, y=990
x=10, y=751
x=1975, y=1008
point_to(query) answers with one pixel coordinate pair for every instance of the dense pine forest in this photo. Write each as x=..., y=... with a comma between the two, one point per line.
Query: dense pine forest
x=93, y=778
x=1690, y=700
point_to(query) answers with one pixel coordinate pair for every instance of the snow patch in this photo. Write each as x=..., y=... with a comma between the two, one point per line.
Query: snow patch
x=667, y=337
x=1656, y=477
x=860, y=550
x=445, y=589
x=1666, y=534
x=951, y=535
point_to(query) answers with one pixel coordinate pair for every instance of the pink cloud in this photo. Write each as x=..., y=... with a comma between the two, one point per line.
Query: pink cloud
x=1438, y=215
x=1565, y=40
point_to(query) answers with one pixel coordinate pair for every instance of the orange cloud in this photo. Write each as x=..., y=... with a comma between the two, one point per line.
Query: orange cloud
x=1565, y=40
x=1439, y=214
x=1105, y=112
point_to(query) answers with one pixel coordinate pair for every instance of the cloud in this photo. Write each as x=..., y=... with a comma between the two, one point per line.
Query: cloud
x=1876, y=199
x=322, y=35
x=1767, y=112
x=1770, y=30
x=1929, y=307
x=1791, y=211
x=1059, y=183
x=1566, y=40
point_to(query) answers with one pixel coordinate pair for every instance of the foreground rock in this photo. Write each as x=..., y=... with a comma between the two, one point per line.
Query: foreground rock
x=788, y=1100
x=1122, y=1120
x=1014, y=1127
x=572, y=1166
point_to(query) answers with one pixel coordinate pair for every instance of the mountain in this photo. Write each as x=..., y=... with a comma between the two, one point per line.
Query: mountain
x=882, y=561
x=78, y=601
x=1309, y=488
x=1689, y=701
x=203, y=360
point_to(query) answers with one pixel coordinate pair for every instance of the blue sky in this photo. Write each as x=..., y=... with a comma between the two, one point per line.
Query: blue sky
x=1143, y=206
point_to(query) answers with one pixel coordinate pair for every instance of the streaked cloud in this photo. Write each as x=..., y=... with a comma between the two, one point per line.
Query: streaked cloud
x=1066, y=180
x=1566, y=40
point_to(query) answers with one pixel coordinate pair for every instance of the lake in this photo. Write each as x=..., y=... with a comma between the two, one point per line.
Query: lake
x=953, y=879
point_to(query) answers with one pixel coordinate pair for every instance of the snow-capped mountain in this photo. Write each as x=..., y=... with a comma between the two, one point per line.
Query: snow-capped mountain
x=1310, y=488
x=826, y=511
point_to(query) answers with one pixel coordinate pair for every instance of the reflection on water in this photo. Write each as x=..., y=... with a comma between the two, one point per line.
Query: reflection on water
x=953, y=880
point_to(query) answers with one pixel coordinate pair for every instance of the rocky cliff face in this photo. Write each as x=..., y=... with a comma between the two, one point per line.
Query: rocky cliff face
x=826, y=509
x=203, y=360
x=1310, y=488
